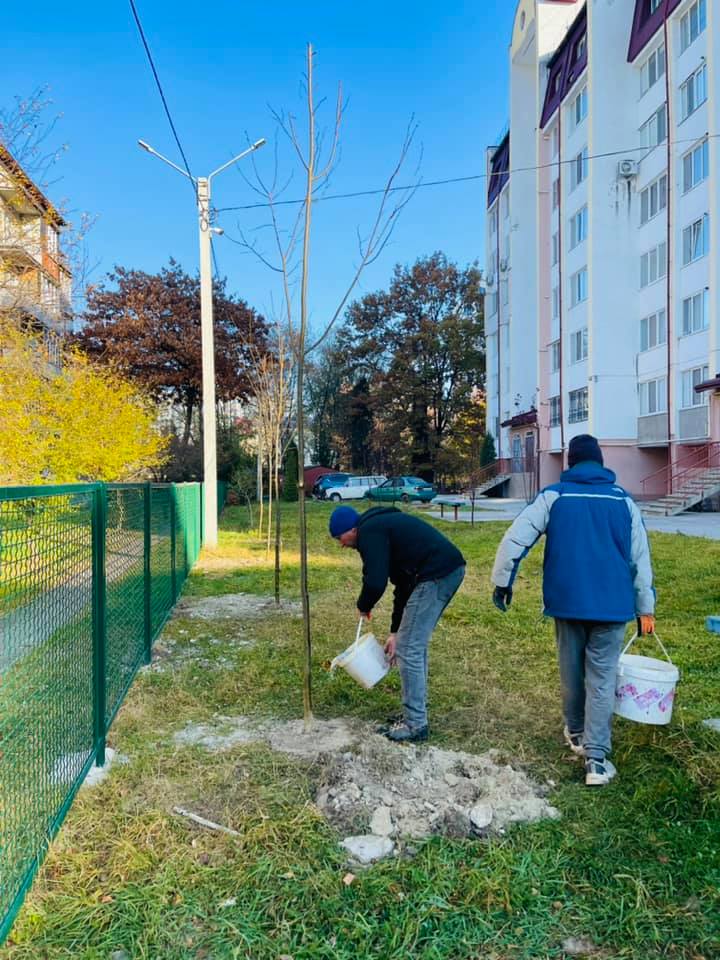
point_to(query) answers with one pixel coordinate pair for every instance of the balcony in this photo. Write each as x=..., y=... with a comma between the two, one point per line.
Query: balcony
x=693, y=423
x=652, y=430
x=17, y=251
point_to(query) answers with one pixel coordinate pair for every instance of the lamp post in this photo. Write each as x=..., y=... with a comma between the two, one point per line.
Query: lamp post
x=202, y=187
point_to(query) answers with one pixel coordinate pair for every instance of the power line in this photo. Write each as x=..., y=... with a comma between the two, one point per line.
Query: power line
x=449, y=180
x=136, y=15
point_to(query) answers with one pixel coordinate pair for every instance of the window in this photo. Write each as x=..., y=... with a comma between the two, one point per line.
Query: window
x=653, y=199
x=653, y=69
x=692, y=24
x=580, y=48
x=51, y=240
x=653, y=264
x=554, y=411
x=505, y=291
x=690, y=379
x=695, y=312
x=579, y=168
x=579, y=227
x=555, y=248
x=556, y=193
x=578, y=405
x=654, y=5
x=492, y=304
x=696, y=240
x=695, y=166
x=505, y=201
x=653, y=396
x=654, y=130
x=579, y=345
x=693, y=92
x=653, y=331
x=554, y=356
x=556, y=303
x=579, y=282
x=556, y=140
x=579, y=107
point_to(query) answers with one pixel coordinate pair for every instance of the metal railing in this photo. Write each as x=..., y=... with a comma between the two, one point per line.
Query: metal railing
x=673, y=477
x=89, y=573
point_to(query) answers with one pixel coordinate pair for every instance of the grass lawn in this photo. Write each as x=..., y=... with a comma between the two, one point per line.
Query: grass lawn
x=635, y=867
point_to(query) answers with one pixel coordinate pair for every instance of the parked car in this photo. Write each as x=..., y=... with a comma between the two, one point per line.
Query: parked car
x=326, y=481
x=354, y=488
x=404, y=489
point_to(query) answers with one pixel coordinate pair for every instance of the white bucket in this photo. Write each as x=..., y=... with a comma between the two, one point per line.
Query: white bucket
x=364, y=660
x=645, y=686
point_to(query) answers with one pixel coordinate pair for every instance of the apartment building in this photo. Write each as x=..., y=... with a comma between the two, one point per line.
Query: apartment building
x=602, y=221
x=35, y=283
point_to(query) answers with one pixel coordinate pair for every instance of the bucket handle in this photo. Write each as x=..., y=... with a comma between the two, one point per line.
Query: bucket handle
x=333, y=665
x=634, y=637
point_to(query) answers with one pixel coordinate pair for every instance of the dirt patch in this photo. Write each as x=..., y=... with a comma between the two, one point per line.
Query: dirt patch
x=172, y=654
x=234, y=606
x=369, y=786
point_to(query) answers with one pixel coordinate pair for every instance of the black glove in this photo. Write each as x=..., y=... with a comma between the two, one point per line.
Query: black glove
x=502, y=598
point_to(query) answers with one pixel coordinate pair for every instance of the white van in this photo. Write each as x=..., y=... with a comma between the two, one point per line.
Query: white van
x=354, y=488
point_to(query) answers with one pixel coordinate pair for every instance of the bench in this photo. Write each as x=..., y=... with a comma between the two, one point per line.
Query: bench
x=454, y=503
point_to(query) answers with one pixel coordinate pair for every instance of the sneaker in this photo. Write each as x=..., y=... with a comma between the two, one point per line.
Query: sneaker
x=574, y=741
x=598, y=773
x=389, y=723
x=402, y=733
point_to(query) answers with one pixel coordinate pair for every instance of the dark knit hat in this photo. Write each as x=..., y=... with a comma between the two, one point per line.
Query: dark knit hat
x=584, y=448
x=343, y=519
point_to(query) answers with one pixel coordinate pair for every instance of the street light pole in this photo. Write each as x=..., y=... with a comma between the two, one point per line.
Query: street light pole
x=203, y=186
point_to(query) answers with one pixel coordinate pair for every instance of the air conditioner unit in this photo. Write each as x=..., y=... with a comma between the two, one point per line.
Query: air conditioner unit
x=627, y=169
x=503, y=265
x=490, y=280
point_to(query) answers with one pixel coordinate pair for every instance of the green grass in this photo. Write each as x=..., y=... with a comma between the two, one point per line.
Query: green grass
x=635, y=867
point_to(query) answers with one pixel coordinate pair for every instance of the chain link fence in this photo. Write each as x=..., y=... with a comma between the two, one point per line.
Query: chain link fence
x=88, y=576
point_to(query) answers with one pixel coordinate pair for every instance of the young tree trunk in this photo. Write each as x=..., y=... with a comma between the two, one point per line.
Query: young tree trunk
x=278, y=525
x=272, y=455
x=261, y=491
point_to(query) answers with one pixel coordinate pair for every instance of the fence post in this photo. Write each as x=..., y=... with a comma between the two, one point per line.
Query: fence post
x=147, y=570
x=99, y=632
x=173, y=543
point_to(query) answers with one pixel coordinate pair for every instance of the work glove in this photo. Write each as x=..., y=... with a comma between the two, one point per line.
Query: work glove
x=645, y=624
x=502, y=598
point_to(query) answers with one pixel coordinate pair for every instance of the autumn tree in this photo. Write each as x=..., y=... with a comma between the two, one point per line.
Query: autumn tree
x=72, y=422
x=148, y=327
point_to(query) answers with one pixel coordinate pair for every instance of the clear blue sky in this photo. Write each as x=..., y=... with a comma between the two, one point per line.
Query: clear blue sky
x=222, y=63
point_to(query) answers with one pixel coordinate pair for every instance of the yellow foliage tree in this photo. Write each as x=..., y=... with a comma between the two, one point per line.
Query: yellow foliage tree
x=69, y=423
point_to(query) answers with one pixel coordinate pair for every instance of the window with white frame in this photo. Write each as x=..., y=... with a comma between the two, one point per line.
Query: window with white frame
x=695, y=312
x=579, y=168
x=554, y=356
x=491, y=300
x=554, y=411
x=555, y=140
x=655, y=4
x=579, y=286
x=580, y=48
x=51, y=239
x=654, y=130
x=579, y=345
x=578, y=405
x=653, y=396
x=556, y=193
x=653, y=264
x=652, y=70
x=578, y=227
x=556, y=303
x=579, y=107
x=695, y=166
x=696, y=240
x=653, y=331
x=555, y=247
x=653, y=199
x=693, y=92
x=493, y=221
x=692, y=24
x=688, y=381
x=505, y=203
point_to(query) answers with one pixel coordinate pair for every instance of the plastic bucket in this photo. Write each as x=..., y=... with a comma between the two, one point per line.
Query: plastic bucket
x=364, y=660
x=645, y=687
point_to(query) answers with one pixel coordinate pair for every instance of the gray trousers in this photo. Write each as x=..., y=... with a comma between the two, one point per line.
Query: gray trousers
x=588, y=653
x=422, y=612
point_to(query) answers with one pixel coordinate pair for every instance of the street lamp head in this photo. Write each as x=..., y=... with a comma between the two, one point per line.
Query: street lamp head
x=259, y=143
x=145, y=146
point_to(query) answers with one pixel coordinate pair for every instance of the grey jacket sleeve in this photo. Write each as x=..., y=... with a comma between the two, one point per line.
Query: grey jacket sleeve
x=523, y=534
x=640, y=563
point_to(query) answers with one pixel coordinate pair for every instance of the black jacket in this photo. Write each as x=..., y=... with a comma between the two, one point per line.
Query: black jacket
x=403, y=549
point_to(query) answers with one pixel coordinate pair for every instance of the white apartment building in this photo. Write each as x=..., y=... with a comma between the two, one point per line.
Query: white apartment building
x=34, y=279
x=601, y=316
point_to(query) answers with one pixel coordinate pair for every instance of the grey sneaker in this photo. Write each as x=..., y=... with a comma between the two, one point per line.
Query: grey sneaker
x=402, y=733
x=574, y=741
x=598, y=773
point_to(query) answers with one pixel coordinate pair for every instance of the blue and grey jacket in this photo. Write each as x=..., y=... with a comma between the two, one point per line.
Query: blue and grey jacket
x=597, y=559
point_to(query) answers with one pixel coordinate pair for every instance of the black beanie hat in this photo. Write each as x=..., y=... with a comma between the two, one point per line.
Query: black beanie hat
x=584, y=448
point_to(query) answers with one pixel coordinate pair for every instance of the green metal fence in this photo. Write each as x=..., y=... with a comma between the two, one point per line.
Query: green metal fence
x=88, y=575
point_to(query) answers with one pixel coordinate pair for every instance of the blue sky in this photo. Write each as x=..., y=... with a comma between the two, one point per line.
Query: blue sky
x=222, y=64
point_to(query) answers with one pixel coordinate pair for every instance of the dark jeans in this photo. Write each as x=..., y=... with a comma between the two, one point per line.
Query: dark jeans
x=588, y=653
x=422, y=612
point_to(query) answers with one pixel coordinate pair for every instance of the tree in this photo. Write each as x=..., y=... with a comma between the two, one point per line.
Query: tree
x=290, y=474
x=77, y=423
x=420, y=348
x=148, y=327
x=488, y=453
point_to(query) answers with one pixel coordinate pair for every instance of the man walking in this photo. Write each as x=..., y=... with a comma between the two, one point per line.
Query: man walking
x=426, y=570
x=597, y=576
